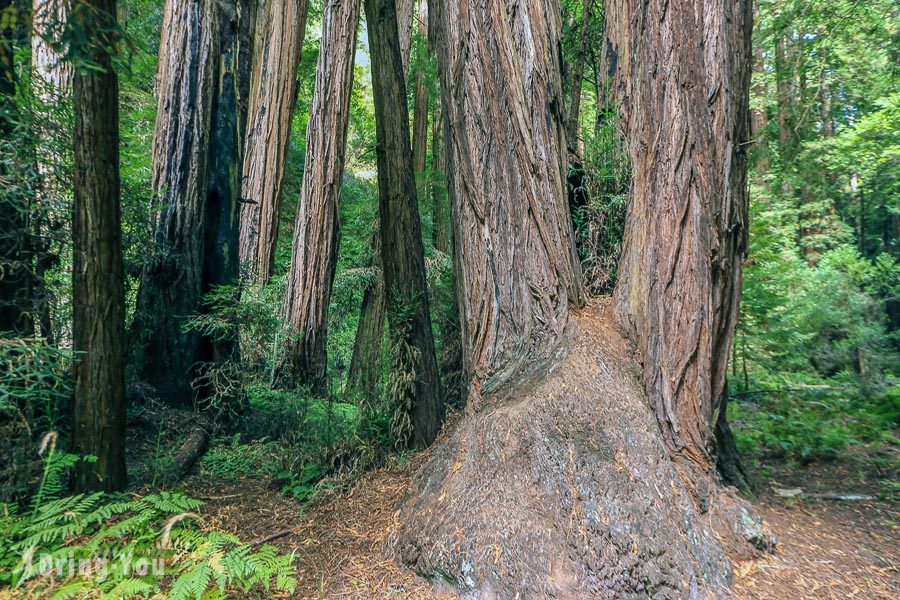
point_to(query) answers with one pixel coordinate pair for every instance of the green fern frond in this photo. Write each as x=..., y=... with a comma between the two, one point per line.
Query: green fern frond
x=130, y=588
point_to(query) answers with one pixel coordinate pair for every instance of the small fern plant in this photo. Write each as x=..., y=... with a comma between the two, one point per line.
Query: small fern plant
x=103, y=546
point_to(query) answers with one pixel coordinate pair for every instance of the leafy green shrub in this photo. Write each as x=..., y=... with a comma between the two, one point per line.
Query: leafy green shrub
x=808, y=422
x=292, y=438
x=237, y=460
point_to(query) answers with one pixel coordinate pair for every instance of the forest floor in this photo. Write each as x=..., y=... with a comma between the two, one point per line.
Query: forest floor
x=826, y=548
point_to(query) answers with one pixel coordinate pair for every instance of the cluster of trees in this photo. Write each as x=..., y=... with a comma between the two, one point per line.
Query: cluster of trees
x=822, y=280
x=541, y=151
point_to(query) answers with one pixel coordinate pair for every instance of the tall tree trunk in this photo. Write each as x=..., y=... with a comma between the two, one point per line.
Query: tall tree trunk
x=362, y=377
x=317, y=229
x=415, y=384
x=98, y=292
x=451, y=366
x=15, y=278
x=52, y=84
x=196, y=174
x=759, y=118
x=420, y=106
x=825, y=93
x=678, y=293
x=279, y=42
x=784, y=91
x=519, y=289
x=573, y=124
x=406, y=10
x=535, y=444
x=53, y=73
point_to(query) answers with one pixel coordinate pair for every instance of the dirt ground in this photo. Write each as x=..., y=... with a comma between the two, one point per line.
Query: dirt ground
x=827, y=548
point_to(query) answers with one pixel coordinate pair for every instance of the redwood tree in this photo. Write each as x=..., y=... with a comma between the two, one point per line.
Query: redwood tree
x=451, y=364
x=420, y=100
x=52, y=84
x=98, y=293
x=273, y=91
x=557, y=429
x=196, y=175
x=686, y=228
x=317, y=228
x=364, y=371
x=415, y=386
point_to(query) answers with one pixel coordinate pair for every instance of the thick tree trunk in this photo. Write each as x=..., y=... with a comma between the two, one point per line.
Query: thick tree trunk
x=317, y=229
x=53, y=74
x=515, y=250
x=196, y=173
x=683, y=77
x=420, y=105
x=415, y=385
x=98, y=292
x=279, y=41
x=535, y=445
x=362, y=377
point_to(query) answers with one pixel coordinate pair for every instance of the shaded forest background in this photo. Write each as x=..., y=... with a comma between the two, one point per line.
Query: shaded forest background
x=816, y=357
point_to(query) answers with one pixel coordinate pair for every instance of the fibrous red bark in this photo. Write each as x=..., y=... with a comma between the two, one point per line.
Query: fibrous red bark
x=558, y=481
x=196, y=175
x=415, y=385
x=516, y=258
x=683, y=82
x=281, y=25
x=317, y=228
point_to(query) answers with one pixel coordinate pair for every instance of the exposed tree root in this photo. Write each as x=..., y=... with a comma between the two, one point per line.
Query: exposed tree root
x=564, y=488
x=194, y=446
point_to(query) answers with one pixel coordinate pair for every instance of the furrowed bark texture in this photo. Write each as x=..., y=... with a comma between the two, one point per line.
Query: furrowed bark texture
x=683, y=83
x=53, y=74
x=98, y=292
x=281, y=25
x=415, y=384
x=557, y=431
x=196, y=175
x=317, y=229
x=405, y=12
x=562, y=488
x=516, y=262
